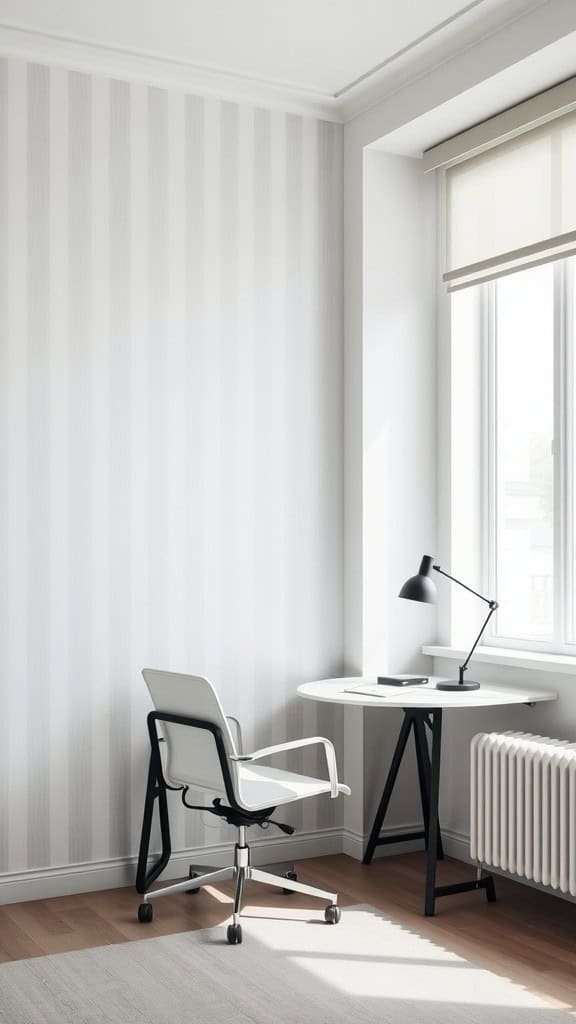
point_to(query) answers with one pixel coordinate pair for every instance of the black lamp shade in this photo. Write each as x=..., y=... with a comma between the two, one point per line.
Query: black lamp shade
x=421, y=587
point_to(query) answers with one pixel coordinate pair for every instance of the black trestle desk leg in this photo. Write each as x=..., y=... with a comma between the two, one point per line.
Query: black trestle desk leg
x=390, y=781
x=419, y=720
x=433, y=832
x=422, y=777
x=423, y=758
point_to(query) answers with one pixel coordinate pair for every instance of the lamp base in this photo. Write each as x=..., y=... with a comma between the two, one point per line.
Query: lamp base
x=456, y=687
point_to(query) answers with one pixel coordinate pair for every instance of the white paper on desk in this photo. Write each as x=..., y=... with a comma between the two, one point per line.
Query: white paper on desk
x=369, y=691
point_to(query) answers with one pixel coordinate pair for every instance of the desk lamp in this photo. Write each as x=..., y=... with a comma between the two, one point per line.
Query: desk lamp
x=423, y=588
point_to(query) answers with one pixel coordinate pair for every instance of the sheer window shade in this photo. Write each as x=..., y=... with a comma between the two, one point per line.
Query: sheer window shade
x=512, y=206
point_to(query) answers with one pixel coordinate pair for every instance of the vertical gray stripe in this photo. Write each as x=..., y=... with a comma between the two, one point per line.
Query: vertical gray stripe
x=309, y=395
x=228, y=342
x=38, y=453
x=212, y=409
x=5, y=383
x=247, y=699
x=297, y=507
x=17, y=578
x=140, y=427
x=194, y=117
x=120, y=497
x=278, y=386
x=158, y=357
x=335, y=652
x=173, y=403
x=156, y=351
x=59, y=510
x=79, y=355
x=264, y=587
x=194, y=553
x=99, y=651
x=329, y=460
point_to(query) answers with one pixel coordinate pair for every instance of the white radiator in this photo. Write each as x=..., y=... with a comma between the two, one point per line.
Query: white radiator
x=523, y=806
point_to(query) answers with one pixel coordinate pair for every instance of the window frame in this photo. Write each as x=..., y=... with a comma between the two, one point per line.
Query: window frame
x=563, y=639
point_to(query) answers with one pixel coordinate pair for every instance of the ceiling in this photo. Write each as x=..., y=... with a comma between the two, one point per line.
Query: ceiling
x=319, y=46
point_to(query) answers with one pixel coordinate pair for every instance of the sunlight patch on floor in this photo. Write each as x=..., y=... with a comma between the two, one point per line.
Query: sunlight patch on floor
x=370, y=956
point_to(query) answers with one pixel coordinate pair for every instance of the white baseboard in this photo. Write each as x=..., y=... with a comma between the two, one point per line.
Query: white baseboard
x=111, y=874
x=457, y=845
x=354, y=843
x=70, y=879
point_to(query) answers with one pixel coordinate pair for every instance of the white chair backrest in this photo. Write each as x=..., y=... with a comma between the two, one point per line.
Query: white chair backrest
x=191, y=756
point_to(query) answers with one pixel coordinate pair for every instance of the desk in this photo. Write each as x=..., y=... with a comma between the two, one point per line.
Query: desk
x=423, y=707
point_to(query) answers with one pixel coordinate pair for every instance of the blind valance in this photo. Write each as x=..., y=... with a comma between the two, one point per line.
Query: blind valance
x=512, y=206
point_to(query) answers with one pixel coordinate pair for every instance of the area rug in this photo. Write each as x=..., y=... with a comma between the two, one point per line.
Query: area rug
x=294, y=969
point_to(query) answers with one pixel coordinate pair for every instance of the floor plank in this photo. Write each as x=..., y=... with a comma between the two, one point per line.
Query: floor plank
x=526, y=936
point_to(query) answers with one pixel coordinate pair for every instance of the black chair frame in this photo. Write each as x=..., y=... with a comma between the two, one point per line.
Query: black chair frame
x=157, y=789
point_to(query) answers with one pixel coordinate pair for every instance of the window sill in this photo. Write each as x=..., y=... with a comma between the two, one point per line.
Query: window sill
x=565, y=664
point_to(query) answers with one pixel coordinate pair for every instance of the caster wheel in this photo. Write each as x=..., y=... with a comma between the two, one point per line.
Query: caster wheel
x=193, y=892
x=293, y=878
x=145, y=913
x=234, y=934
x=332, y=914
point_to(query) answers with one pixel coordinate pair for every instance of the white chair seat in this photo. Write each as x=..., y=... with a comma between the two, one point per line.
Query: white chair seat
x=261, y=787
x=191, y=757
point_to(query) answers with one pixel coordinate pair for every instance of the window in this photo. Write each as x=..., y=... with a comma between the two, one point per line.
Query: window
x=509, y=240
x=528, y=414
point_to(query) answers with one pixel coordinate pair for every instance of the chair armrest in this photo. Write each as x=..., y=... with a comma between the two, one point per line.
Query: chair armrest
x=280, y=748
x=238, y=728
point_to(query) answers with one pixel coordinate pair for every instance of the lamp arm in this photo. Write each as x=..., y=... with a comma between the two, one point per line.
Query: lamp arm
x=493, y=607
x=465, y=585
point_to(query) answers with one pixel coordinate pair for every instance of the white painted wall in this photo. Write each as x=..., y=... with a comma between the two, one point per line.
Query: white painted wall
x=399, y=443
x=171, y=424
x=171, y=402
x=399, y=404
x=434, y=97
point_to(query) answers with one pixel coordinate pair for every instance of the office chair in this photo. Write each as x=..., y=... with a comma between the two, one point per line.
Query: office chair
x=192, y=747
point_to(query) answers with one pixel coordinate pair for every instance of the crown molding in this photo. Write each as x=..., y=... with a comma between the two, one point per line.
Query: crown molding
x=438, y=47
x=477, y=21
x=94, y=58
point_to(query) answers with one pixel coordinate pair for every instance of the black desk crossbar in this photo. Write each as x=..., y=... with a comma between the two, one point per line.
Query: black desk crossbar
x=399, y=837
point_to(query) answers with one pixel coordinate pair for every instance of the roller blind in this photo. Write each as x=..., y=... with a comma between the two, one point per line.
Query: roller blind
x=512, y=206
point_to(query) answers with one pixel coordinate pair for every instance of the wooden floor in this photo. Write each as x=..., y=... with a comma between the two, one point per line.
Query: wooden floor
x=526, y=936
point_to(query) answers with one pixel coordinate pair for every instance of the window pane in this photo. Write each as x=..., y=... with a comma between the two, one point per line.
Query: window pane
x=524, y=459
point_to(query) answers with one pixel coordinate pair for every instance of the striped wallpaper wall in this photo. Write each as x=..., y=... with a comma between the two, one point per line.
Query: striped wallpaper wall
x=170, y=438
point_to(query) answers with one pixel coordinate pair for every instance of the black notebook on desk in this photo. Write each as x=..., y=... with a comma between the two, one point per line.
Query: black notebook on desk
x=402, y=680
